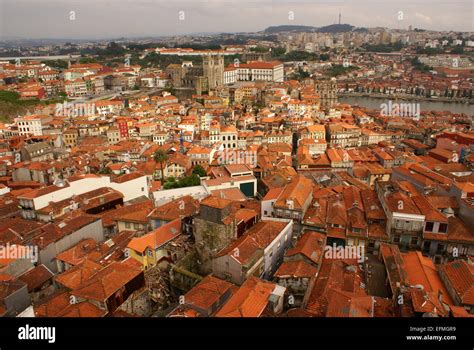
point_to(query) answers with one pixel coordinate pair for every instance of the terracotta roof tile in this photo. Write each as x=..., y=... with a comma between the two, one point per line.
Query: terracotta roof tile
x=311, y=245
x=156, y=238
x=36, y=277
x=250, y=300
x=296, y=269
x=460, y=276
x=208, y=292
x=106, y=282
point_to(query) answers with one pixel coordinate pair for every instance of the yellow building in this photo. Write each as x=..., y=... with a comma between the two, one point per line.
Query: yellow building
x=151, y=249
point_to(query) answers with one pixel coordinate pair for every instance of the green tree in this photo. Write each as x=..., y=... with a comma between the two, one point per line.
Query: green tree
x=161, y=158
x=199, y=170
x=324, y=57
x=278, y=51
x=60, y=64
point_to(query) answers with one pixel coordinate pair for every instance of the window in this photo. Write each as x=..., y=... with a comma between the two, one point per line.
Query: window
x=443, y=228
x=429, y=226
x=396, y=239
x=414, y=240
x=265, y=212
x=150, y=253
x=127, y=225
x=398, y=224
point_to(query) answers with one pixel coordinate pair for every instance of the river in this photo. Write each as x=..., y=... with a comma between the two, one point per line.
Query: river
x=374, y=103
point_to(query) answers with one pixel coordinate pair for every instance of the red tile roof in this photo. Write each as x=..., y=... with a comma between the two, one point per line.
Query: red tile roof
x=179, y=208
x=233, y=194
x=156, y=238
x=460, y=276
x=426, y=302
x=82, y=309
x=77, y=275
x=216, y=202
x=296, y=269
x=346, y=304
x=249, y=301
x=298, y=190
x=36, y=277
x=106, y=282
x=421, y=271
x=128, y=177
x=311, y=245
x=273, y=194
x=208, y=292
x=334, y=274
x=78, y=252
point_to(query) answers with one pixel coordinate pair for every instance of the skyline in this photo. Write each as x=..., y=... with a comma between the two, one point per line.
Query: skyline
x=96, y=20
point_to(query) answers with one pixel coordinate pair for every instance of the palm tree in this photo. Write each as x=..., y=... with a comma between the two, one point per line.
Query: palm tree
x=161, y=157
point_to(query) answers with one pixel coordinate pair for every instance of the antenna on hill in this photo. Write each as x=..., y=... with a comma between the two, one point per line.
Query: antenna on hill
x=339, y=16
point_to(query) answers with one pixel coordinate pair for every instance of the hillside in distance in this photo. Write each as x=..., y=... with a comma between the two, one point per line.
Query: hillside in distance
x=332, y=28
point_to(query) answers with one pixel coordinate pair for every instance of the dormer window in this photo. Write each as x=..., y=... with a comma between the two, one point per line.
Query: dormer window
x=443, y=228
x=429, y=226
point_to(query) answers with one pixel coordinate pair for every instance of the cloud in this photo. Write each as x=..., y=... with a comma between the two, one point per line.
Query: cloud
x=131, y=18
x=423, y=18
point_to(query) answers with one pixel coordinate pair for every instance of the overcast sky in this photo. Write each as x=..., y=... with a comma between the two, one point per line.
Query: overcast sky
x=97, y=19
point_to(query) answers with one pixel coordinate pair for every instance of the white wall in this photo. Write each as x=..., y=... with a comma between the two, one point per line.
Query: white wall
x=267, y=206
x=229, y=184
x=130, y=189
x=4, y=190
x=165, y=196
x=271, y=263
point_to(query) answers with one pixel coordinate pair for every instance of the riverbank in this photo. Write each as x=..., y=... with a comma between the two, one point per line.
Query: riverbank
x=408, y=97
x=425, y=105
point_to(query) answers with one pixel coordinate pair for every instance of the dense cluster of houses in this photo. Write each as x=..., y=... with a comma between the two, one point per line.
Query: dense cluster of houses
x=211, y=206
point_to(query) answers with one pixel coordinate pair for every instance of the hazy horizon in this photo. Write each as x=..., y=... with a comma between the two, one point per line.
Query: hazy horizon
x=107, y=19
